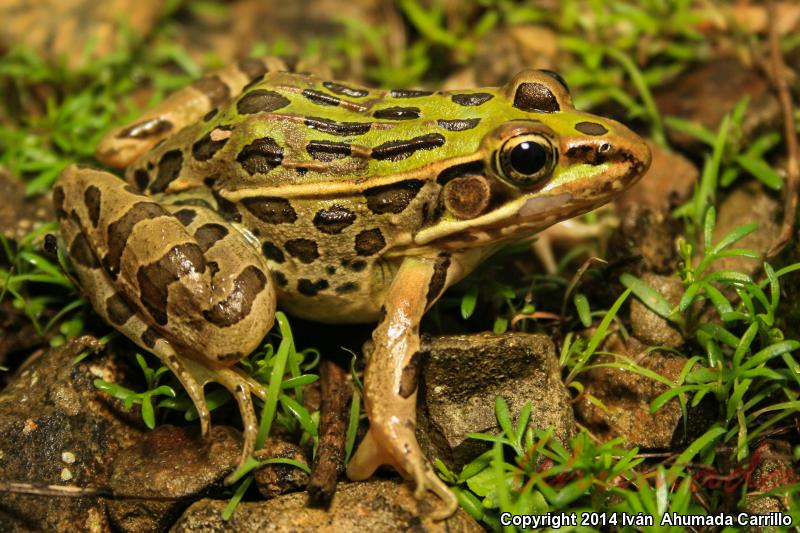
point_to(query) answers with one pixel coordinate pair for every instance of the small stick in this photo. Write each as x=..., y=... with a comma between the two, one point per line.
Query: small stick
x=336, y=391
x=793, y=158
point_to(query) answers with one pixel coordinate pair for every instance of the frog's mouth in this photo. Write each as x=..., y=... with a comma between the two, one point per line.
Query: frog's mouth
x=572, y=192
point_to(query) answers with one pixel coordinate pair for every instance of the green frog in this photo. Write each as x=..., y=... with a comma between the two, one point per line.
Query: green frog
x=256, y=187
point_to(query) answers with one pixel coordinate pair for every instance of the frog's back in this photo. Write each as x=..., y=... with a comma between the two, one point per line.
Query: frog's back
x=290, y=130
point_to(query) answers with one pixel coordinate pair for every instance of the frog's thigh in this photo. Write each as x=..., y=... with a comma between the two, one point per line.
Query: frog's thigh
x=390, y=381
x=188, y=274
x=186, y=106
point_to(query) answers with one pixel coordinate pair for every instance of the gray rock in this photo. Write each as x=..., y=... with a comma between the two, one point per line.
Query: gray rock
x=172, y=466
x=375, y=505
x=648, y=326
x=463, y=374
x=748, y=203
x=56, y=428
x=626, y=397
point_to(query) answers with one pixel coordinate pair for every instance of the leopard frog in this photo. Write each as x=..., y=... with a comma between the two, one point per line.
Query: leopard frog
x=256, y=187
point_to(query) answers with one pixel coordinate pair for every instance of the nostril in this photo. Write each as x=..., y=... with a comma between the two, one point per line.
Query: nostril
x=605, y=147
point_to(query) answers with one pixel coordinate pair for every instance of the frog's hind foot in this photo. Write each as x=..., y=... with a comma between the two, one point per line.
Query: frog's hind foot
x=194, y=376
x=370, y=455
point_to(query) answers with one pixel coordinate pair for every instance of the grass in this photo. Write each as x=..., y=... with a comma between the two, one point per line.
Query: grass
x=614, y=54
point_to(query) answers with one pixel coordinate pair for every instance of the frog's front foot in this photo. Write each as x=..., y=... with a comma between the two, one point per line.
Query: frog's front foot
x=372, y=453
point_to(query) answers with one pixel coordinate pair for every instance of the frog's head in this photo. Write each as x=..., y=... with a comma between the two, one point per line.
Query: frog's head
x=539, y=162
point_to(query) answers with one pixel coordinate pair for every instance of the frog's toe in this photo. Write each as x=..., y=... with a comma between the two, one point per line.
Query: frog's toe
x=240, y=385
x=427, y=480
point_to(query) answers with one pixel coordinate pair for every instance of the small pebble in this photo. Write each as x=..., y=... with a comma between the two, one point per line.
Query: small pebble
x=68, y=457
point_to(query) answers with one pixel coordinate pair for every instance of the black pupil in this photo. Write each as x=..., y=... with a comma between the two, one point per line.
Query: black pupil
x=528, y=158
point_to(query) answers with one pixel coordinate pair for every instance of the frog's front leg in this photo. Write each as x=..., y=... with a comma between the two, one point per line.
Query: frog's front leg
x=177, y=280
x=390, y=381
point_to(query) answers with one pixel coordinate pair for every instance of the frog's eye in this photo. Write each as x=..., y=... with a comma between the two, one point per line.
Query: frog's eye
x=525, y=160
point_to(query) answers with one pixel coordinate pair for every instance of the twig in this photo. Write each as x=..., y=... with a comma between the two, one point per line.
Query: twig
x=336, y=392
x=793, y=158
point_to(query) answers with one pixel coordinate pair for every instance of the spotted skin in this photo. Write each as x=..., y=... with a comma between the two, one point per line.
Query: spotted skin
x=255, y=187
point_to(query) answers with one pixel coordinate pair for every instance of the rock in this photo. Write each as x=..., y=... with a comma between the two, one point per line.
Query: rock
x=169, y=462
x=772, y=469
x=645, y=241
x=273, y=480
x=463, y=374
x=669, y=182
x=649, y=327
x=56, y=428
x=703, y=95
x=626, y=397
x=747, y=203
x=376, y=505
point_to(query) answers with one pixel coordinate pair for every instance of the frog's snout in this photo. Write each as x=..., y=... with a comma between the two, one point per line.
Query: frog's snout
x=625, y=154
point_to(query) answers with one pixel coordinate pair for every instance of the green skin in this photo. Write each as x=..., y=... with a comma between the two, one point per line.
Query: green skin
x=340, y=204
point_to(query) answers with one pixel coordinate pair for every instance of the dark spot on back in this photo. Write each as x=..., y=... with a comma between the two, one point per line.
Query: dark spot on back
x=214, y=88
x=397, y=113
x=591, y=128
x=311, y=288
x=81, y=252
x=328, y=150
x=392, y=198
x=58, y=201
x=303, y=249
x=409, y=377
x=119, y=231
x=358, y=265
x=211, y=114
x=91, y=198
x=409, y=93
x=185, y=216
x=252, y=68
x=205, y=148
x=334, y=219
x=142, y=178
x=260, y=156
x=261, y=101
x=398, y=150
x=236, y=307
x=270, y=209
x=330, y=270
x=344, y=89
x=280, y=278
x=208, y=234
x=369, y=242
x=536, y=98
x=438, y=279
x=148, y=128
x=458, y=124
x=272, y=252
x=149, y=337
x=344, y=129
x=156, y=277
x=118, y=309
x=169, y=167
x=346, y=288
x=471, y=99
x=321, y=98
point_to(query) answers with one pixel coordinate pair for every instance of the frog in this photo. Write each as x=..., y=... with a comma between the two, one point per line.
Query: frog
x=256, y=187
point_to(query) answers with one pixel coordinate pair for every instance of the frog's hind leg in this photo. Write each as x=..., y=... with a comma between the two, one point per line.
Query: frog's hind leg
x=186, y=106
x=179, y=281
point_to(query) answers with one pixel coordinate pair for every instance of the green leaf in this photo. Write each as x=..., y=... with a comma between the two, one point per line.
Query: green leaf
x=468, y=302
x=647, y=294
x=584, y=312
